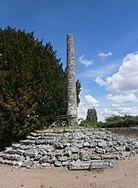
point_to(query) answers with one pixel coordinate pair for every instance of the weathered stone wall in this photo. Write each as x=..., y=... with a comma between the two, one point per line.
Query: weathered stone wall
x=74, y=149
x=71, y=82
x=131, y=132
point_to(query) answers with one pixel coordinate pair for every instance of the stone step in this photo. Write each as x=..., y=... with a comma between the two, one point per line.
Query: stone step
x=36, y=142
x=75, y=149
x=88, y=165
x=43, y=137
x=46, y=134
x=11, y=157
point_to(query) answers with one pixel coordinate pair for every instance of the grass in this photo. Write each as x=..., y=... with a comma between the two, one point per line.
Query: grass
x=96, y=170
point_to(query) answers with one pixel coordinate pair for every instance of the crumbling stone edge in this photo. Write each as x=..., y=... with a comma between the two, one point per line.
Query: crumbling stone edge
x=79, y=149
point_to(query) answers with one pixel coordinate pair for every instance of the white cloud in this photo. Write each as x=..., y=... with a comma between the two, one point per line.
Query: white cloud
x=82, y=110
x=128, y=110
x=100, y=81
x=132, y=110
x=85, y=62
x=104, y=55
x=118, y=100
x=123, y=85
x=91, y=100
x=121, y=104
x=87, y=102
x=108, y=112
x=99, y=72
x=126, y=79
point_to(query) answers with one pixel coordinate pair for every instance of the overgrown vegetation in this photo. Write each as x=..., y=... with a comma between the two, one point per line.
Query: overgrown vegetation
x=92, y=115
x=32, y=85
x=91, y=118
x=113, y=121
x=120, y=121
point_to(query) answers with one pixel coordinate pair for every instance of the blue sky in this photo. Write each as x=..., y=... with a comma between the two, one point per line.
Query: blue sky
x=106, y=45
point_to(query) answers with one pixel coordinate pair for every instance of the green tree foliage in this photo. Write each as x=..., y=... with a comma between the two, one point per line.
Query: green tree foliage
x=120, y=121
x=91, y=119
x=32, y=85
x=91, y=115
x=113, y=118
x=78, y=89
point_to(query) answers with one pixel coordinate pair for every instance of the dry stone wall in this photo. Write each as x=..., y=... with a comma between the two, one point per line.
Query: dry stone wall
x=74, y=149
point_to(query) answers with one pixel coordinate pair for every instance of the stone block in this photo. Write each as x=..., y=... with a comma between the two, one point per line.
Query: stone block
x=99, y=150
x=62, y=158
x=27, y=142
x=57, y=164
x=44, y=159
x=30, y=164
x=79, y=165
x=101, y=164
x=84, y=156
x=65, y=163
x=32, y=153
x=1, y=160
x=86, y=144
x=45, y=164
x=75, y=157
x=85, y=165
x=11, y=157
x=92, y=144
x=102, y=144
x=95, y=156
x=74, y=149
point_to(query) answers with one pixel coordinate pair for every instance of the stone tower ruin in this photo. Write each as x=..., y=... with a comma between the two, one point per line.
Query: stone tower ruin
x=71, y=83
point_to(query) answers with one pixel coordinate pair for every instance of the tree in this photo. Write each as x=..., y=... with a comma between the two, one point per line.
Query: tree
x=78, y=89
x=120, y=121
x=113, y=118
x=91, y=115
x=32, y=85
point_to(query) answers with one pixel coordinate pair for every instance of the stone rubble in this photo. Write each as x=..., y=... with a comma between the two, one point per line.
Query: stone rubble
x=75, y=149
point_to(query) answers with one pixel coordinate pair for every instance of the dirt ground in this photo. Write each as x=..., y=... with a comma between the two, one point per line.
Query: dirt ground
x=123, y=175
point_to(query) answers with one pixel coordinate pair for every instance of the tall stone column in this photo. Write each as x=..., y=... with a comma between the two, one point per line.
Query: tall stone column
x=71, y=83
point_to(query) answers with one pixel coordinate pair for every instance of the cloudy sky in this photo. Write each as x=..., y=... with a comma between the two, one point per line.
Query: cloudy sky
x=106, y=45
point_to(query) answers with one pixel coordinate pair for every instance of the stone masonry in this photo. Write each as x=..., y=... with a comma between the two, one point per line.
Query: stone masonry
x=74, y=149
x=71, y=83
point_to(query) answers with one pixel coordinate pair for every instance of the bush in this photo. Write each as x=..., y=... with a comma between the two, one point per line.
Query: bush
x=88, y=124
x=119, y=121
